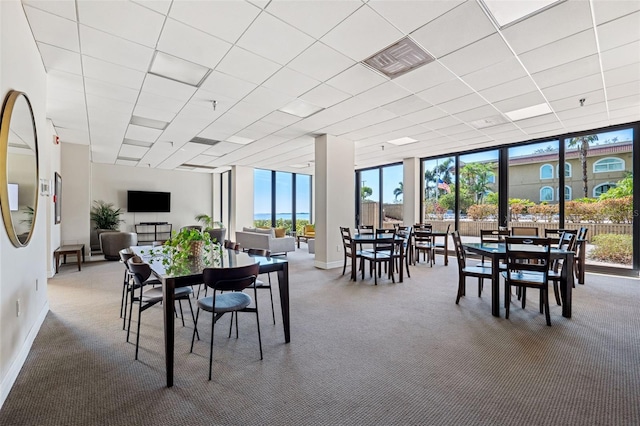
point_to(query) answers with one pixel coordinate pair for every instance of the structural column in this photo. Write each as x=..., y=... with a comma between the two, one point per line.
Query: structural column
x=241, y=199
x=411, y=198
x=334, y=197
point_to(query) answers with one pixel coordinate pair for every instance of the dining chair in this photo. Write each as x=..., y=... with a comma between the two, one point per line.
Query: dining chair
x=567, y=241
x=423, y=243
x=382, y=252
x=365, y=230
x=465, y=271
x=581, y=246
x=441, y=246
x=527, y=263
x=147, y=298
x=232, y=281
x=345, y=234
x=261, y=284
x=129, y=285
x=406, y=232
x=492, y=236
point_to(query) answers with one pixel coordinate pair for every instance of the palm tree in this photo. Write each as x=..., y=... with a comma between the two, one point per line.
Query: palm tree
x=582, y=144
x=365, y=192
x=398, y=191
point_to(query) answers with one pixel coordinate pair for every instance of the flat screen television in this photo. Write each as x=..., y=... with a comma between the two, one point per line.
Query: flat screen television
x=148, y=202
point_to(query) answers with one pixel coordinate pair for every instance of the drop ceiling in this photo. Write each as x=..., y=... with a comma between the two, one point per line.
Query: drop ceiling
x=282, y=72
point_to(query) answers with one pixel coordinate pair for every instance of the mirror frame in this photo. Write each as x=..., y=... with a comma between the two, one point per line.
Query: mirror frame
x=7, y=110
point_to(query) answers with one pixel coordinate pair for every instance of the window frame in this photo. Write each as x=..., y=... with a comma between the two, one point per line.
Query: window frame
x=550, y=189
x=618, y=161
x=544, y=166
x=610, y=184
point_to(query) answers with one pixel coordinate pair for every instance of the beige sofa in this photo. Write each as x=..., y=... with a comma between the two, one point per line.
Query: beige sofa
x=265, y=239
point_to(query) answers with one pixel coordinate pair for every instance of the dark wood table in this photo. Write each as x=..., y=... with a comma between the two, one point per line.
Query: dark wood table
x=74, y=249
x=230, y=259
x=497, y=251
x=360, y=239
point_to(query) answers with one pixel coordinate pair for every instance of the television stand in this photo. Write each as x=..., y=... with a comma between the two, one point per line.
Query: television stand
x=150, y=232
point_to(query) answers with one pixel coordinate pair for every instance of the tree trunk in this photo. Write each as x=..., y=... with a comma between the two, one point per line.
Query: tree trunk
x=584, y=147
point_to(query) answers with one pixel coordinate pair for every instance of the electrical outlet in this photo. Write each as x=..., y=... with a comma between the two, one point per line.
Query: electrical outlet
x=18, y=307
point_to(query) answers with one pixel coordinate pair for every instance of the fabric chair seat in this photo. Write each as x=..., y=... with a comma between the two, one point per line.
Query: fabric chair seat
x=226, y=302
x=155, y=294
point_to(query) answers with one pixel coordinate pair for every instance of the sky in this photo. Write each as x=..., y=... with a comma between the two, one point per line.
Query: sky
x=391, y=177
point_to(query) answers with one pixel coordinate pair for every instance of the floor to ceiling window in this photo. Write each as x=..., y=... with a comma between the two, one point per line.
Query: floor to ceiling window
x=380, y=196
x=275, y=196
x=439, y=192
x=600, y=182
x=534, y=186
x=478, y=193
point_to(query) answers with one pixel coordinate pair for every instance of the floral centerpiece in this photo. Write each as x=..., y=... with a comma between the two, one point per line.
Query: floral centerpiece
x=189, y=250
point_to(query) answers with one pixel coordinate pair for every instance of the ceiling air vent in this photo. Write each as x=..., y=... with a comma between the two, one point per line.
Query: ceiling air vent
x=399, y=58
x=205, y=141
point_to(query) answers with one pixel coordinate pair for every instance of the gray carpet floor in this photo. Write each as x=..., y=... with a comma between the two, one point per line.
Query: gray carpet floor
x=360, y=354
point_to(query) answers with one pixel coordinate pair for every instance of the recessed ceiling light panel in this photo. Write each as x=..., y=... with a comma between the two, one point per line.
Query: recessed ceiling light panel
x=239, y=140
x=529, y=112
x=399, y=58
x=174, y=68
x=300, y=108
x=402, y=141
x=509, y=12
x=134, y=142
x=148, y=122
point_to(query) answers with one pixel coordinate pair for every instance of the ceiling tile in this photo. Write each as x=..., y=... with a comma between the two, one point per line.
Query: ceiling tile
x=605, y=11
x=142, y=133
x=123, y=19
x=568, y=72
x=619, y=32
x=518, y=102
x=271, y=38
x=559, y=21
x=247, y=66
x=622, y=75
x=423, y=78
x=113, y=49
x=110, y=91
x=224, y=19
x=463, y=103
x=324, y=96
x=356, y=79
x=622, y=90
x=621, y=56
x=443, y=35
x=168, y=88
x=281, y=118
x=350, y=107
x=111, y=73
x=362, y=34
x=132, y=151
x=290, y=82
x=383, y=94
x=578, y=111
x=55, y=58
x=161, y=102
x=313, y=17
x=509, y=89
x=495, y=74
x=441, y=123
x=406, y=105
x=191, y=44
x=76, y=136
x=64, y=9
x=479, y=55
x=425, y=115
x=560, y=52
x=479, y=113
x=571, y=101
x=320, y=62
x=153, y=113
x=268, y=98
x=226, y=85
x=575, y=87
x=625, y=102
x=445, y=92
x=52, y=29
x=410, y=15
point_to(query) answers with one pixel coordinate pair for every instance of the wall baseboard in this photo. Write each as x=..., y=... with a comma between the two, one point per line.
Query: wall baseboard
x=328, y=265
x=16, y=366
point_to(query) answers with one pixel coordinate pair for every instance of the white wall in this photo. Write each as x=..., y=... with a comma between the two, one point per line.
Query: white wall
x=191, y=193
x=76, y=175
x=411, y=185
x=241, y=199
x=20, y=268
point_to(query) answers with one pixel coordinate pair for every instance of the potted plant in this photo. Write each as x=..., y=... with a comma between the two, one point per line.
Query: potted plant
x=215, y=229
x=188, y=249
x=105, y=216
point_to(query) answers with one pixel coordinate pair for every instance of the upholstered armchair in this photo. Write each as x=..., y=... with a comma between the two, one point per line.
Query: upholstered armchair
x=112, y=242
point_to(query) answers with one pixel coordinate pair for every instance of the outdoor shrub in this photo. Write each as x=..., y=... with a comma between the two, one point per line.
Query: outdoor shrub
x=543, y=212
x=584, y=211
x=618, y=210
x=612, y=248
x=482, y=211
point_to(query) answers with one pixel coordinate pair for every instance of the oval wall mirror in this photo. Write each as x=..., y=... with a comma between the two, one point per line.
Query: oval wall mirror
x=18, y=168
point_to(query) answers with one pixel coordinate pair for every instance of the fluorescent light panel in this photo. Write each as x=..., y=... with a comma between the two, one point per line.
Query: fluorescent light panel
x=129, y=158
x=174, y=68
x=134, y=142
x=529, y=112
x=402, y=141
x=148, y=122
x=508, y=12
x=399, y=58
x=239, y=140
x=301, y=109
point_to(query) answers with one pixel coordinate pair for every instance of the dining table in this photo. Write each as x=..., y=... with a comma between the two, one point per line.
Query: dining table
x=360, y=239
x=498, y=251
x=192, y=275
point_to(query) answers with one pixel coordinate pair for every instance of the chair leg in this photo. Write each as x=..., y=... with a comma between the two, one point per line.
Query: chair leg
x=193, y=318
x=507, y=300
x=479, y=287
x=523, y=294
x=130, y=313
x=344, y=267
x=195, y=329
x=273, y=312
x=546, y=306
x=211, y=344
x=461, y=284
x=556, y=292
x=181, y=313
x=139, y=321
x=126, y=302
